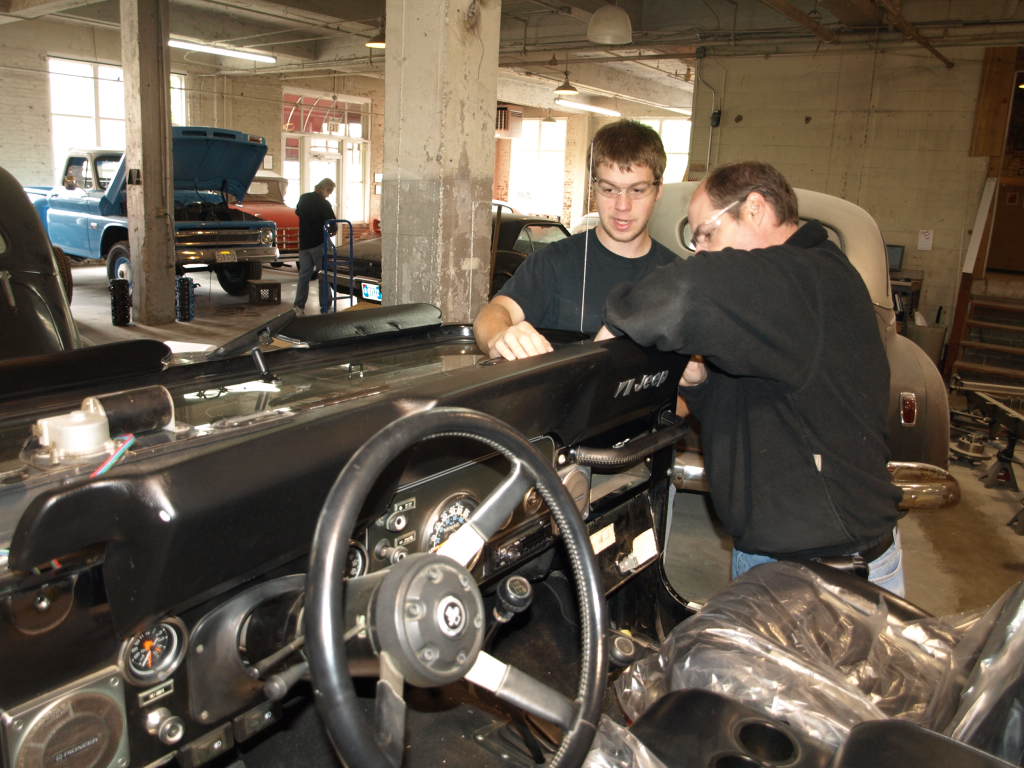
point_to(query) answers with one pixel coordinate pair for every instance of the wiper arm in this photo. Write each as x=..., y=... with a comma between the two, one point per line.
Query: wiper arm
x=251, y=340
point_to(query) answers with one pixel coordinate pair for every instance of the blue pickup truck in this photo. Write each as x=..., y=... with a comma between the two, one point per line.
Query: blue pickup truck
x=87, y=214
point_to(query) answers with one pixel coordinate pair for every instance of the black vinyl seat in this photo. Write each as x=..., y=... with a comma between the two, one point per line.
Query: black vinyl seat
x=821, y=651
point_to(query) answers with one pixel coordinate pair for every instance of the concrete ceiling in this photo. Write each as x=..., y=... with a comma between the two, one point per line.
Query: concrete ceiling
x=541, y=39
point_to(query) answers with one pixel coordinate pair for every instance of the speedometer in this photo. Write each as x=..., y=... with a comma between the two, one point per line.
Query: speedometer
x=448, y=516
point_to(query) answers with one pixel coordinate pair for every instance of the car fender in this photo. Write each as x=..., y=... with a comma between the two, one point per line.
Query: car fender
x=911, y=371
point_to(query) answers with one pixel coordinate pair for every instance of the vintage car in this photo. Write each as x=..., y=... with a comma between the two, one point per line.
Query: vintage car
x=918, y=404
x=367, y=541
x=514, y=237
x=265, y=199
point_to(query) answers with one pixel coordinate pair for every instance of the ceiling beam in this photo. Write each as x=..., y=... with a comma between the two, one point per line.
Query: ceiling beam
x=895, y=16
x=854, y=13
x=33, y=9
x=789, y=10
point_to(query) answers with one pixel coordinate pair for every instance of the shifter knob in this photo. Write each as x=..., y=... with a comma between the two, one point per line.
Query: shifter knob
x=515, y=594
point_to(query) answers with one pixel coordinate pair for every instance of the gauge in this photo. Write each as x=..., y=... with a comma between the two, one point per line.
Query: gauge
x=356, y=563
x=153, y=654
x=448, y=516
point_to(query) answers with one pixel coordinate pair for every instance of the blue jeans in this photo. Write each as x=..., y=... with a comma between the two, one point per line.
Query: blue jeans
x=309, y=259
x=886, y=570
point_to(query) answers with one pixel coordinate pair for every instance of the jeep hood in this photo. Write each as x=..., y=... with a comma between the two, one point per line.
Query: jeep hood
x=205, y=160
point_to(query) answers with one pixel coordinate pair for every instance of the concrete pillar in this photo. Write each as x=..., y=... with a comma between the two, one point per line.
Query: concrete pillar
x=144, y=29
x=439, y=108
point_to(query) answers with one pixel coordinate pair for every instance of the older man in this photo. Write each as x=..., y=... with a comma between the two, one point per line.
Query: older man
x=313, y=211
x=793, y=385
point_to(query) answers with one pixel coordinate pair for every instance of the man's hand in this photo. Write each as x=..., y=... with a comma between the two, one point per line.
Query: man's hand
x=695, y=372
x=518, y=341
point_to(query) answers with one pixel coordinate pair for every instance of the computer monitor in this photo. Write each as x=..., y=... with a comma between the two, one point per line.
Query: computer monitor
x=895, y=255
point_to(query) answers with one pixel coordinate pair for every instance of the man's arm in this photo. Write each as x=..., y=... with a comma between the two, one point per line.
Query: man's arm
x=501, y=330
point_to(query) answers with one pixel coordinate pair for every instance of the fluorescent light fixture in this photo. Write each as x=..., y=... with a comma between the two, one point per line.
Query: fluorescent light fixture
x=588, y=108
x=217, y=51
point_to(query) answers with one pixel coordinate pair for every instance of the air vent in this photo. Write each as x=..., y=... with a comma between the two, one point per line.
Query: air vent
x=508, y=123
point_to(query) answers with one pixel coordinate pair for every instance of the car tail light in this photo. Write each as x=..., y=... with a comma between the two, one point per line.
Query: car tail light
x=908, y=408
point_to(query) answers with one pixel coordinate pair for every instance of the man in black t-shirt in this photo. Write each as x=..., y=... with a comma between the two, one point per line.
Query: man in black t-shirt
x=564, y=285
x=313, y=210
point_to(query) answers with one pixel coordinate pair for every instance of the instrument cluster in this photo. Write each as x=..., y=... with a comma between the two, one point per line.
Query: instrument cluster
x=421, y=515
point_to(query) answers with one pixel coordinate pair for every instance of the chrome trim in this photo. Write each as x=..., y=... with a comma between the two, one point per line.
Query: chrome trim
x=924, y=486
x=688, y=472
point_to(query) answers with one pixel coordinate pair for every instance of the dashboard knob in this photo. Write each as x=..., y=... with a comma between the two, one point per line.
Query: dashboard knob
x=167, y=727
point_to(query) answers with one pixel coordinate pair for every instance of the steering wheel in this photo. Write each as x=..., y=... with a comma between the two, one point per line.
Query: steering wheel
x=422, y=620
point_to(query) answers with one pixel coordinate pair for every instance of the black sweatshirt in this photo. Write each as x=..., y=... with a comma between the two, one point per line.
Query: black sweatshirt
x=313, y=210
x=793, y=413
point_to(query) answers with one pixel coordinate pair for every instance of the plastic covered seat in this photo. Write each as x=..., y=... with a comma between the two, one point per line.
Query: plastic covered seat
x=822, y=650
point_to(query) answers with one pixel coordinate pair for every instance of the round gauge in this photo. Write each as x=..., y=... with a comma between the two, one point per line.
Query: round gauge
x=357, y=560
x=448, y=516
x=153, y=654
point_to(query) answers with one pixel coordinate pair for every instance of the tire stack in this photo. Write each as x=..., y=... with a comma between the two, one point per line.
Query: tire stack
x=185, y=299
x=120, y=302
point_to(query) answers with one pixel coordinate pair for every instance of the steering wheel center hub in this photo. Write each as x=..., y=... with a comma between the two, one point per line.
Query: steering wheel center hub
x=430, y=619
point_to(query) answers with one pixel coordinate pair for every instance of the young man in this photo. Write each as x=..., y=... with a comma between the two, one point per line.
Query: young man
x=313, y=210
x=564, y=285
x=793, y=389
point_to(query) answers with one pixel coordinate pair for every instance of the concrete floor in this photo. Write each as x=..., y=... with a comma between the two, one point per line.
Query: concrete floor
x=219, y=317
x=956, y=559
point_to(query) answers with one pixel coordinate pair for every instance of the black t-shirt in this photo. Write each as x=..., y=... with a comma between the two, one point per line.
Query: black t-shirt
x=549, y=284
x=313, y=210
x=794, y=411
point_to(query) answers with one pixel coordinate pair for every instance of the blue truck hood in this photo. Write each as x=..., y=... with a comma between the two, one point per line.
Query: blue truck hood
x=205, y=160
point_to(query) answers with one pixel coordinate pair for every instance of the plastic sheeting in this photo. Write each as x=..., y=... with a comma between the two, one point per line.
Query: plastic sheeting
x=793, y=645
x=991, y=711
x=616, y=747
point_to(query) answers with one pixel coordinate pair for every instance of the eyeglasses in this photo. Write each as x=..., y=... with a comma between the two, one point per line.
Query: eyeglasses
x=702, y=234
x=635, y=192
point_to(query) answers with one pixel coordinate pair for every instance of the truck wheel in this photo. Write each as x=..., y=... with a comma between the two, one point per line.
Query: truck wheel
x=119, y=262
x=64, y=270
x=234, y=278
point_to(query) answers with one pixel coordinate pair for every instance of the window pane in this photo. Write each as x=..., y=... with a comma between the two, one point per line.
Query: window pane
x=69, y=132
x=110, y=87
x=552, y=136
x=543, y=234
x=72, y=92
x=675, y=135
x=675, y=168
x=112, y=134
x=179, y=104
x=291, y=172
x=536, y=177
x=106, y=167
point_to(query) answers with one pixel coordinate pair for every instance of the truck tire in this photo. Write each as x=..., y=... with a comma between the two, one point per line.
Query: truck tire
x=119, y=262
x=234, y=278
x=64, y=270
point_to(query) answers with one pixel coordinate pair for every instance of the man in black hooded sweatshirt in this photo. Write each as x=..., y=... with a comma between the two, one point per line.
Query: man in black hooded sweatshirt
x=790, y=382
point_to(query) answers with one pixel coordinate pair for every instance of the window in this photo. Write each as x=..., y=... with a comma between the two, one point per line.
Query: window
x=325, y=138
x=535, y=236
x=675, y=135
x=536, y=182
x=87, y=107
